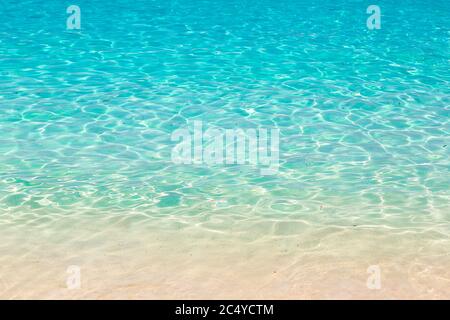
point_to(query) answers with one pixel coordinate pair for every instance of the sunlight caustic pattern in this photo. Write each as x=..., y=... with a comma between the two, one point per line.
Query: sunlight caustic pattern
x=354, y=98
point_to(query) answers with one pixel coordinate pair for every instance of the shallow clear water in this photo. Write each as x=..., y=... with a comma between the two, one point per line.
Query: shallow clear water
x=86, y=118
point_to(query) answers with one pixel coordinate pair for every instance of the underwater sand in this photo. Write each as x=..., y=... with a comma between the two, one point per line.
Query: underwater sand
x=86, y=176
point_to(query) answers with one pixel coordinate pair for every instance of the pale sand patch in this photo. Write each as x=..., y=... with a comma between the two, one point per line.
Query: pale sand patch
x=169, y=258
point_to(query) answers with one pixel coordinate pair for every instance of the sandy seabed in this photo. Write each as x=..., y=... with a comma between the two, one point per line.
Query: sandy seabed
x=134, y=257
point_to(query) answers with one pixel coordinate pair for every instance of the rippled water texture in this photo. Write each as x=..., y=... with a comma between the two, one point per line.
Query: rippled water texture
x=86, y=176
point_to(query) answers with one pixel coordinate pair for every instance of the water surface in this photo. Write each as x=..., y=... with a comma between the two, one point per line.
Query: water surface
x=86, y=175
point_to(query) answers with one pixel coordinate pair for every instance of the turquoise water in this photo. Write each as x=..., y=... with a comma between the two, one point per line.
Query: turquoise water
x=86, y=170
x=86, y=115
